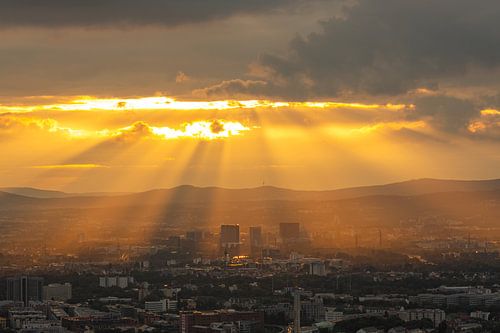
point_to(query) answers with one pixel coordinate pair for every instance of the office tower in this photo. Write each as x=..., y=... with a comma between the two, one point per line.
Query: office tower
x=194, y=235
x=255, y=241
x=174, y=242
x=289, y=231
x=230, y=239
x=25, y=289
x=230, y=233
x=296, y=309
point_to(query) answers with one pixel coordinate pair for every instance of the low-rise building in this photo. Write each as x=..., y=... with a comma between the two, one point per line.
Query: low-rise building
x=115, y=281
x=18, y=317
x=331, y=314
x=156, y=306
x=480, y=315
x=57, y=292
x=200, y=321
x=435, y=315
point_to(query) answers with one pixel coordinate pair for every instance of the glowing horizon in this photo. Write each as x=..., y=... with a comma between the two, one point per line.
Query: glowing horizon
x=84, y=143
x=90, y=103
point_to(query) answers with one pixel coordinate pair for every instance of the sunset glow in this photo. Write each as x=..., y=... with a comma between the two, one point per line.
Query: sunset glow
x=249, y=166
x=88, y=103
x=98, y=102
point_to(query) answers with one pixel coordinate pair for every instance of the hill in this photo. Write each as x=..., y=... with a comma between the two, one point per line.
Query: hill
x=35, y=198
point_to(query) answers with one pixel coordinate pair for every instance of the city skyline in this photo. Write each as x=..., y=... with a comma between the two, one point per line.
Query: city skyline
x=249, y=166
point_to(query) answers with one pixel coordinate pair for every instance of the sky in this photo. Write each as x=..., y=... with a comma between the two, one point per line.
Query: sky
x=127, y=95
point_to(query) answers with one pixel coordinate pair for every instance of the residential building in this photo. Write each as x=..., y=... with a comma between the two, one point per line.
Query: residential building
x=193, y=321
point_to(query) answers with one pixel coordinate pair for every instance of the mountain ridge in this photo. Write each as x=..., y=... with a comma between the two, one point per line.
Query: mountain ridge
x=48, y=193
x=193, y=194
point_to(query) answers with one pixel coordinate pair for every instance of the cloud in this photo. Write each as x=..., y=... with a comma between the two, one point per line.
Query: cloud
x=235, y=89
x=487, y=126
x=181, y=77
x=203, y=130
x=70, y=166
x=216, y=127
x=455, y=115
x=113, y=13
x=136, y=131
x=445, y=113
x=12, y=124
x=386, y=47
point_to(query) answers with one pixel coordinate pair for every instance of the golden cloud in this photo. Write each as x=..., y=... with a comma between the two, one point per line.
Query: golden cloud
x=203, y=130
x=70, y=166
x=89, y=103
x=487, y=125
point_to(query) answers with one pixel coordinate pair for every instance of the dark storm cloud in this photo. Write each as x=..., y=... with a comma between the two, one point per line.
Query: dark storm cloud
x=234, y=88
x=388, y=47
x=445, y=113
x=453, y=115
x=88, y=13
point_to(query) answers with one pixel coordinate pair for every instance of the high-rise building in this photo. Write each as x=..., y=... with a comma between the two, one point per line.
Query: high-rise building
x=297, y=311
x=289, y=231
x=174, y=242
x=255, y=241
x=230, y=239
x=25, y=289
x=230, y=233
x=194, y=235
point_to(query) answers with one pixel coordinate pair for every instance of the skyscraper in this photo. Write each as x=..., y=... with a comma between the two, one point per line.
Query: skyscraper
x=25, y=289
x=230, y=239
x=230, y=233
x=296, y=311
x=255, y=241
x=289, y=231
x=194, y=235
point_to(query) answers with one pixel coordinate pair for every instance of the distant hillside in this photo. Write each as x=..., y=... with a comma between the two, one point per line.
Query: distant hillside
x=129, y=213
x=47, y=194
x=54, y=199
x=34, y=192
x=417, y=187
x=10, y=200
